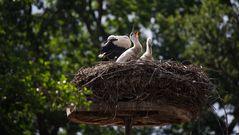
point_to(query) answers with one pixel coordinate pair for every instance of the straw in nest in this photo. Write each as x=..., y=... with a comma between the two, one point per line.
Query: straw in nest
x=159, y=82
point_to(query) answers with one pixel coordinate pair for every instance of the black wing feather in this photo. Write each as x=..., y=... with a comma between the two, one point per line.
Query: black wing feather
x=111, y=51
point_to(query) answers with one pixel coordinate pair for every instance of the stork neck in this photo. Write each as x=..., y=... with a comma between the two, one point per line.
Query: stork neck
x=137, y=46
x=136, y=43
x=148, y=49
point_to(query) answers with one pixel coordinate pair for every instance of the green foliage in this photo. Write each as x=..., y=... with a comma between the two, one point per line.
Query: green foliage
x=41, y=52
x=209, y=37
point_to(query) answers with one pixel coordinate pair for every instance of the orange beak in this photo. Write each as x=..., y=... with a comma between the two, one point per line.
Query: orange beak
x=137, y=34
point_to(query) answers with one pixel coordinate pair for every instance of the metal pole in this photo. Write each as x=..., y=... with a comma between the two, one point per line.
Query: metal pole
x=128, y=125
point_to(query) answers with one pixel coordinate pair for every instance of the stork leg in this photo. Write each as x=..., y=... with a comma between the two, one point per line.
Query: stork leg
x=128, y=125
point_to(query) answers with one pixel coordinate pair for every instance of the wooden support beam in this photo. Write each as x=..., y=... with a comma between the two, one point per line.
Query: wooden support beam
x=128, y=125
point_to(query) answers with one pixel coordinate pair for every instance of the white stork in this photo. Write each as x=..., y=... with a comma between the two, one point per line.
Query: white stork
x=114, y=47
x=148, y=53
x=133, y=52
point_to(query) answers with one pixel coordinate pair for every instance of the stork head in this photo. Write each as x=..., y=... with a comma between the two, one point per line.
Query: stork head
x=137, y=34
x=134, y=36
x=111, y=38
x=123, y=41
x=149, y=42
x=119, y=40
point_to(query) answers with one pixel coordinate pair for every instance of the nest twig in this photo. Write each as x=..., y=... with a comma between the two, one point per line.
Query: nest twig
x=160, y=82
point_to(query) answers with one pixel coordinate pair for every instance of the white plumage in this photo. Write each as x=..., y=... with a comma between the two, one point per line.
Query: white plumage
x=114, y=47
x=122, y=41
x=133, y=52
x=148, y=53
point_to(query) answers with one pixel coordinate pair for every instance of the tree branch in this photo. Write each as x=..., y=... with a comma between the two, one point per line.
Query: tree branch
x=91, y=10
x=98, y=22
x=84, y=17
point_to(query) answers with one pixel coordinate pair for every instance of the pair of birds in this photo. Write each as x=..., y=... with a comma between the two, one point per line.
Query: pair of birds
x=119, y=48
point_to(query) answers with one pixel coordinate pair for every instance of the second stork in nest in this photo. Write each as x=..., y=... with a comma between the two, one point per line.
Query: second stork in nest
x=147, y=56
x=133, y=52
x=114, y=47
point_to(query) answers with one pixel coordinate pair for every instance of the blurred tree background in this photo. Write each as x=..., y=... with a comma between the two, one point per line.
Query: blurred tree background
x=44, y=42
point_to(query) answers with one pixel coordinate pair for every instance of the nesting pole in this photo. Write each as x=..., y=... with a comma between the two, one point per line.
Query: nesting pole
x=128, y=125
x=129, y=114
x=141, y=94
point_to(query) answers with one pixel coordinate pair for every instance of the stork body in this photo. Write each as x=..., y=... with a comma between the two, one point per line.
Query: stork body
x=133, y=52
x=148, y=53
x=114, y=47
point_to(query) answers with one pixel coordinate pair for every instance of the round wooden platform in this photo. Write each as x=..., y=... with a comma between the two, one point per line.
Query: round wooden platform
x=142, y=114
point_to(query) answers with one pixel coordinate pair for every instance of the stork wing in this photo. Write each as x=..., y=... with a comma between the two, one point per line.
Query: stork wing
x=111, y=51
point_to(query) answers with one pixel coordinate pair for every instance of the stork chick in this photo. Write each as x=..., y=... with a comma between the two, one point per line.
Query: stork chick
x=148, y=53
x=133, y=52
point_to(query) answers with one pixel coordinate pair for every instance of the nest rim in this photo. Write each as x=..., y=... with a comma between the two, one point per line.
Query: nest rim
x=92, y=78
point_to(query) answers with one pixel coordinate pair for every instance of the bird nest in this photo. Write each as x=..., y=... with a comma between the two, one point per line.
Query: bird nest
x=154, y=93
